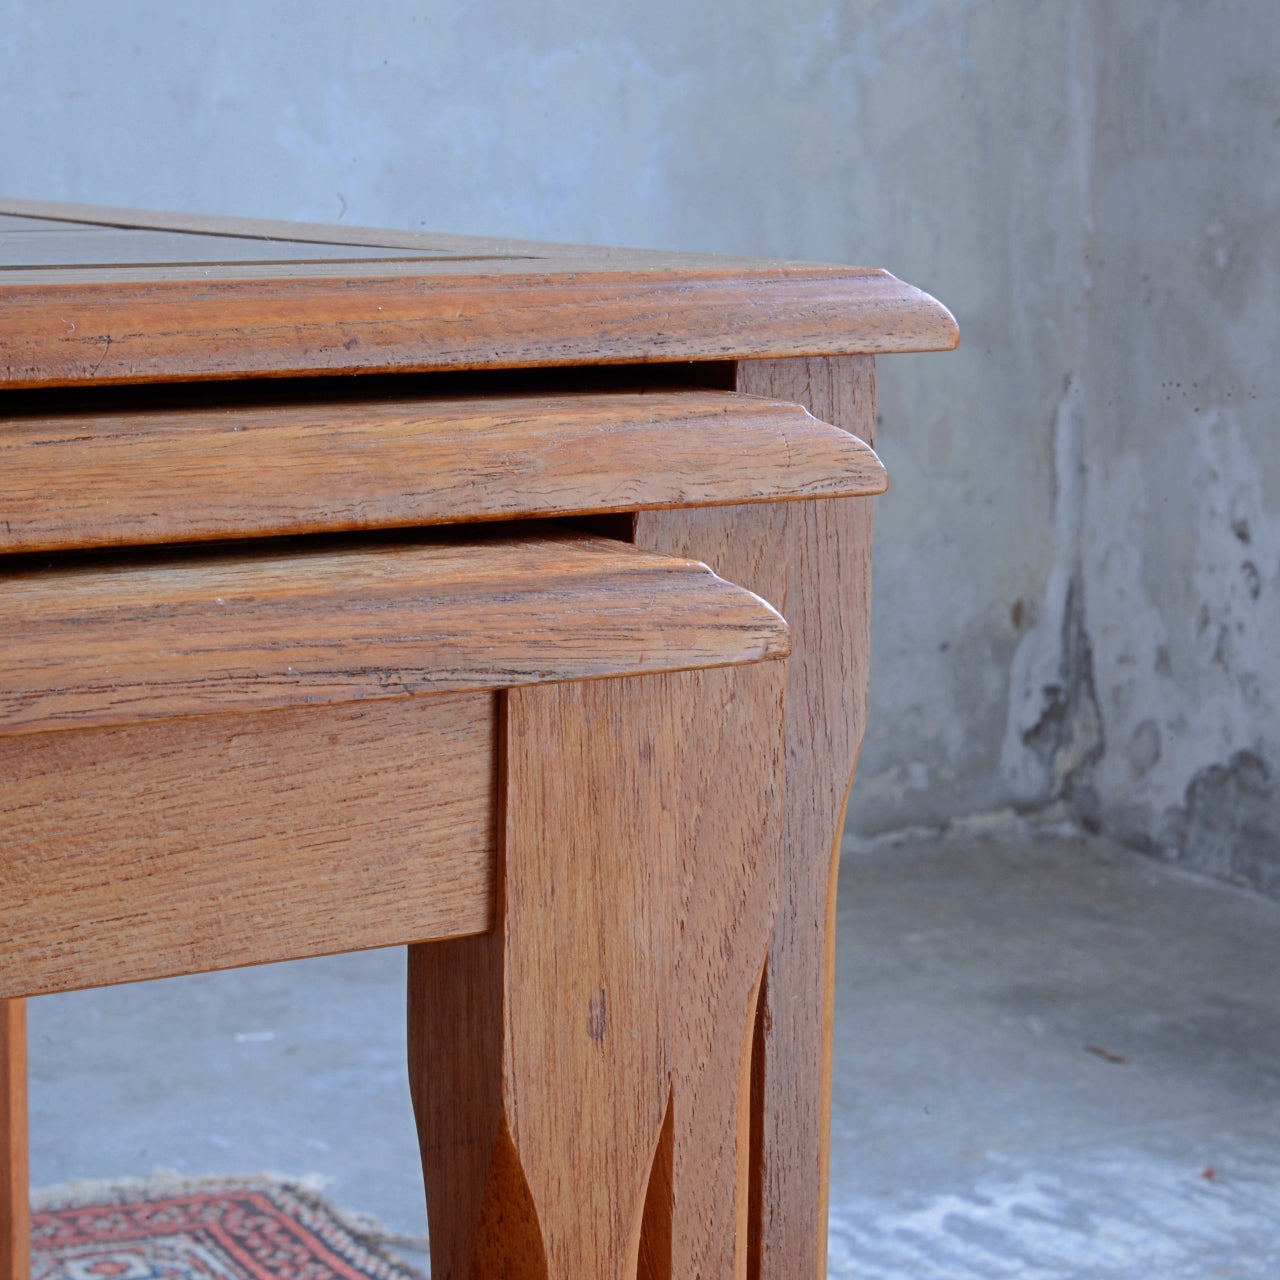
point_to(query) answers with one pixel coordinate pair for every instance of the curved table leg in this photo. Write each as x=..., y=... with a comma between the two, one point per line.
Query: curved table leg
x=553, y=1059
x=812, y=560
x=727, y=890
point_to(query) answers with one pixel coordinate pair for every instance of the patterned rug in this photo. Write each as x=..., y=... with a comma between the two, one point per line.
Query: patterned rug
x=201, y=1229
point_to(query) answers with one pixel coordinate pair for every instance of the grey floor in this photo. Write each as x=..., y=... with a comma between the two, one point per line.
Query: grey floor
x=1054, y=1059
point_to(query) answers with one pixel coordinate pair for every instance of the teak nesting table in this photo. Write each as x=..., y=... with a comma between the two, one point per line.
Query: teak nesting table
x=506, y=600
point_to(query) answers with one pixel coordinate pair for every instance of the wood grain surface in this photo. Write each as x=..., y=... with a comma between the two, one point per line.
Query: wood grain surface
x=106, y=643
x=539, y=1057
x=477, y=306
x=100, y=479
x=812, y=560
x=581, y=1077
x=190, y=845
x=732, y=774
x=555, y=1148
x=15, y=1213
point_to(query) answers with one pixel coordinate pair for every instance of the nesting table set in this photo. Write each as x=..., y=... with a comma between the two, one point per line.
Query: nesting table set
x=509, y=601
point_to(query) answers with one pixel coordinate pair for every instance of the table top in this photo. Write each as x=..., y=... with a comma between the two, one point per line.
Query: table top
x=101, y=296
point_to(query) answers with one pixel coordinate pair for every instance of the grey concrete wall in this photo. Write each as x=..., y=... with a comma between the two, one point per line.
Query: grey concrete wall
x=1077, y=563
x=1181, y=538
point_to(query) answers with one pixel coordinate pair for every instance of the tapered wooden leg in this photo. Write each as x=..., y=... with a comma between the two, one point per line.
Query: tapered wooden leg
x=812, y=560
x=727, y=891
x=15, y=1225
x=573, y=1066
x=539, y=1053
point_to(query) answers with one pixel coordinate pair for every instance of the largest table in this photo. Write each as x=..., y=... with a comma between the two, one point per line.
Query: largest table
x=96, y=302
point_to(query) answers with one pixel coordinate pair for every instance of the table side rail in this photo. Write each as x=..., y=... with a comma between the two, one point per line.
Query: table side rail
x=103, y=479
x=146, y=851
x=123, y=640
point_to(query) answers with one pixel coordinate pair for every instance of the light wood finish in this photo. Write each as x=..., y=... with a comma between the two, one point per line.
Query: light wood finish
x=480, y=304
x=191, y=845
x=812, y=560
x=576, y=1067
x=15, y=1213
x=98, y=645
x=731, y=771
x=698, y=1147
x=104, y=479
x=540, y=1056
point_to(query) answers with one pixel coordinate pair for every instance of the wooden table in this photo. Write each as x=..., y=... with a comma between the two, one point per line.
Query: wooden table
x=184, y=380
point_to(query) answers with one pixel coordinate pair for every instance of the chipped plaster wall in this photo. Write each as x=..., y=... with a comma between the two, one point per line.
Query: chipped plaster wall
x=1181, y=548
x=1147, y=693
x=1076, y=586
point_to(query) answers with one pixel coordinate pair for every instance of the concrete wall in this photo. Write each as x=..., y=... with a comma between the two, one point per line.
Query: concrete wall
x=1077, y=564
x=1180, y=552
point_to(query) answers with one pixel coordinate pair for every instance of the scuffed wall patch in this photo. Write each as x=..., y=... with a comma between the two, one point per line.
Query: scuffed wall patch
x=1068, y=738
x=1184, y=598
x=1054, y=734
x=1230, y=825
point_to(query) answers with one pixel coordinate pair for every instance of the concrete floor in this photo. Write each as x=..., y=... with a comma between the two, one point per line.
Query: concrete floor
x=1054, y=1059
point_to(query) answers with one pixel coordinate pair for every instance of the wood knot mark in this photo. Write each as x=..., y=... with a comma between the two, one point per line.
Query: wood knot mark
x=597, y=1017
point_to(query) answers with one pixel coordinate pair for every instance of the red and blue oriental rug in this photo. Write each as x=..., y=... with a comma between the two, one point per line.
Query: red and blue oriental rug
x=208, y=1229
